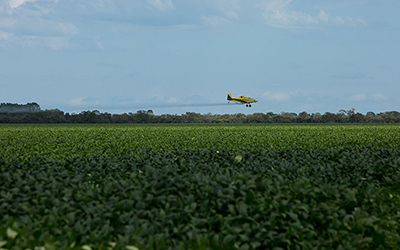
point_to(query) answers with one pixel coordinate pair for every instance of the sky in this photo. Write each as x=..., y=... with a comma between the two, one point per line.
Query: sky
x=178, y=56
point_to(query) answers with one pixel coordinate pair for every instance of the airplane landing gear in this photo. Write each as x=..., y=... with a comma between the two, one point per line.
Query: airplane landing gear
x=250, y=105
x=247, y=105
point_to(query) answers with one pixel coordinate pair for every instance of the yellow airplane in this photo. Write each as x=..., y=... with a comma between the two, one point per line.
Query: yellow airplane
x=242, y=100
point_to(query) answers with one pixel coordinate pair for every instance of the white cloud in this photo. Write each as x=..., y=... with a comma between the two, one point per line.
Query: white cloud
x=100, y=46
x=98, y=43
x=355, y=22
x=186, y=26
x=84, y=102
x=219, y=12
x=77, y=101
x=360, y=21
x=226, y=8
x=277, y=13
x=7, y=22
x=172, y=100
x=276, y=96
x=5, y=35
x=379, y=96
x=44, y=27
x=338, y=20
x=35, y=23
x=323, y=16
x=232, y=15
x=363, y=97
x=34, y=26
x=358, y=97
x=162, y=5
x=57, y=43
x=53, y=18
x=16, y=3
x=54, y=43
x=66, y=28
x=214, y=21
x=37, y=33
x=349, y=75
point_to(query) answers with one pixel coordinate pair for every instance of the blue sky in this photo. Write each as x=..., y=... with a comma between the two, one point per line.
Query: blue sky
x=178, y=56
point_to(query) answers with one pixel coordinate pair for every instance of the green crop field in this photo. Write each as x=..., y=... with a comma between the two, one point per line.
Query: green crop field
x=200, y=186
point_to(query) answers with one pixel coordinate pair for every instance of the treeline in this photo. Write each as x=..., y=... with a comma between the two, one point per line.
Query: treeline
x=141, y=116
x=7, y=108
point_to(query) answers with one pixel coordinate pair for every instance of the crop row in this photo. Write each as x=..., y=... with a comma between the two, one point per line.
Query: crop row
x=199, y=187
x=326, y=198
x=67, y=141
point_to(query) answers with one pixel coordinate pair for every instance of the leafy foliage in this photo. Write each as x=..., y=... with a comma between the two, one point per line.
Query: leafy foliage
x=199, y=187
x=7, y=108
x=11, y=114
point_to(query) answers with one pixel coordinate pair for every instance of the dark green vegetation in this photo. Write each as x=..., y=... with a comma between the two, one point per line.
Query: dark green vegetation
x=31, y=113
x=200, y=187
x=9, y=108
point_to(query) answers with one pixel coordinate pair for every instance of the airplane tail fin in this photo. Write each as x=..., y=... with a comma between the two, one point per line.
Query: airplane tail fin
x=229, y=97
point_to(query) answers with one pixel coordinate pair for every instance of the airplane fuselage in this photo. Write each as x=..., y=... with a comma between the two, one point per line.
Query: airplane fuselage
x=242, y=100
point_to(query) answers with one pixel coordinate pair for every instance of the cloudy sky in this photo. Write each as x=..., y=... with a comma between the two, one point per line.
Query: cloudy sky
x=177, y=56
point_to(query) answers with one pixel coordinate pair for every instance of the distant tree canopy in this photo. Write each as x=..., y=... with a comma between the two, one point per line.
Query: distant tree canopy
x=31, y=113
x=6, y=108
